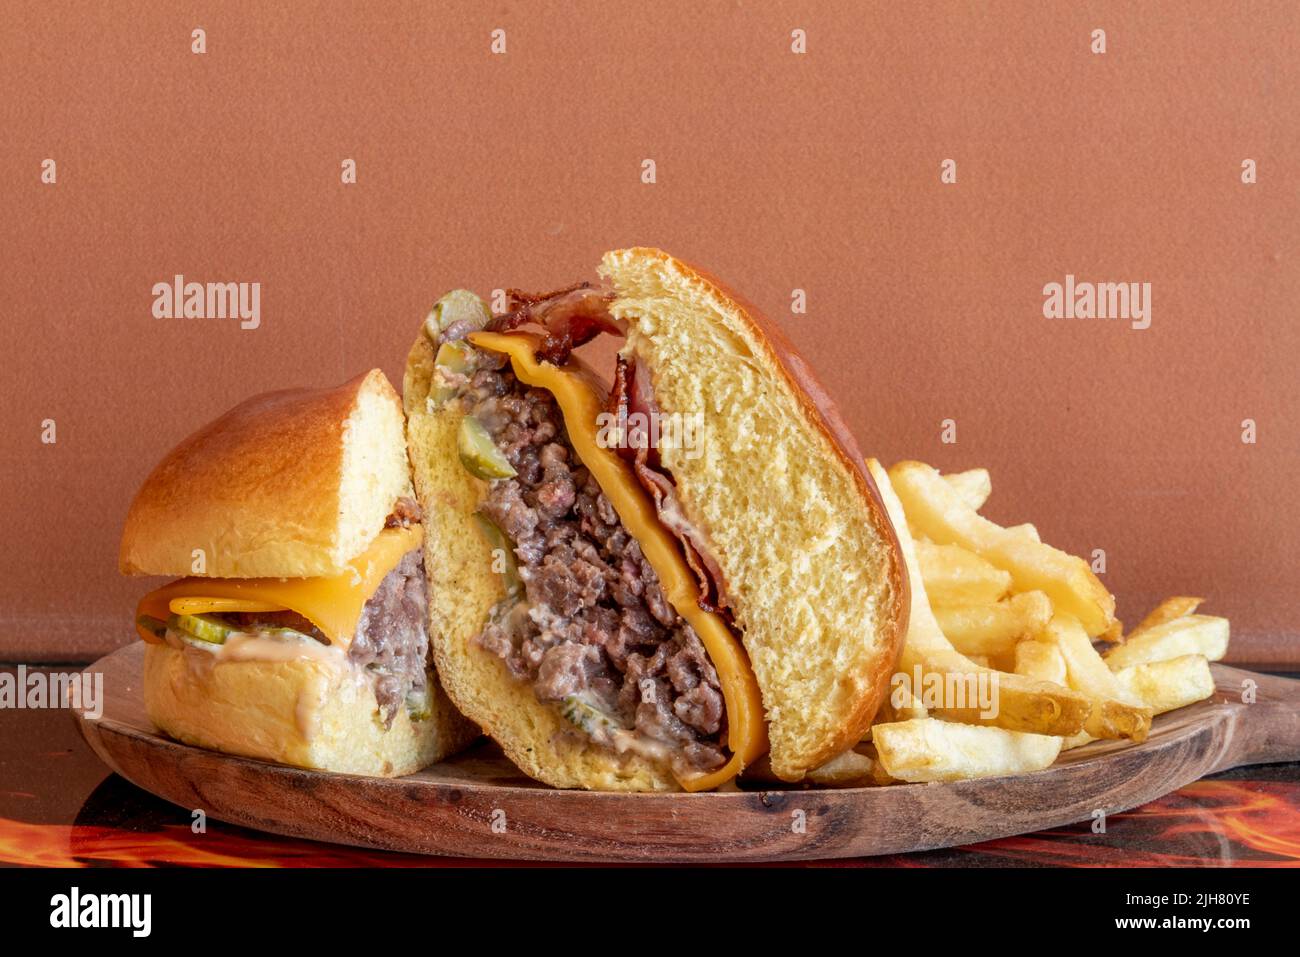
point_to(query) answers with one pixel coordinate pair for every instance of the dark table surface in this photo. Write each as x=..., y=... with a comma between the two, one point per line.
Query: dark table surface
x=61, y=807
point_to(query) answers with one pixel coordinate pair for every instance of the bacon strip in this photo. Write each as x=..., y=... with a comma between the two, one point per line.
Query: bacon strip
x=630, y=395
x=570, y=317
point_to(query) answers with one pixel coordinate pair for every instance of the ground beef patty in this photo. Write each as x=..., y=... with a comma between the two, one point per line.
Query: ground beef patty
x=391, y=640
x=592, y=632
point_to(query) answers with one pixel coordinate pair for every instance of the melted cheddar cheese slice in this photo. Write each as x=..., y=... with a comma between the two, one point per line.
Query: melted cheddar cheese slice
x=580, y=405
x=332, y=603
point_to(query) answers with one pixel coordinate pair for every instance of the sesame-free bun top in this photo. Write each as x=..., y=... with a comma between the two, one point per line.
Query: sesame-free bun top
x=288, y=484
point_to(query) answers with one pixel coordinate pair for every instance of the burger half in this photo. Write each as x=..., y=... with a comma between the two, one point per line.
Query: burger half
x=297, y=633
x=646, y=580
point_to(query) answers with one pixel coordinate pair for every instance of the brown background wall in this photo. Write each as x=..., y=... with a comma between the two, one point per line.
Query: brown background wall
x=775, y=170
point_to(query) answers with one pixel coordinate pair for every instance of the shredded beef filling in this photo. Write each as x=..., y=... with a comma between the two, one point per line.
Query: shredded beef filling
x=391, y=641
x=592, y=631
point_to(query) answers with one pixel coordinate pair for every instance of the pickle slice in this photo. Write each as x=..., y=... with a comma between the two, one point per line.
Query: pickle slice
x=152, y=625
x=501, y=545
x=207, y=628
x=479, y=454
x=456, y=306
x=583, y=714
x=419, y=704
x=456, y=358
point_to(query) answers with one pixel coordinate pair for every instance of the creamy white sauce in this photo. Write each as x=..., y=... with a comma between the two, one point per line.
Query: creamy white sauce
x=624, y=741
x=249, y=646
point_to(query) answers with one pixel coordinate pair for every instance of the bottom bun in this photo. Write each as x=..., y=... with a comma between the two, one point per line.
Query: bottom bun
x=307, y=712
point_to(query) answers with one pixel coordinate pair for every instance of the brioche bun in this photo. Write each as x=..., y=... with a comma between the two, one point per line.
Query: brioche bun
x=782, y=496
x=289, y=484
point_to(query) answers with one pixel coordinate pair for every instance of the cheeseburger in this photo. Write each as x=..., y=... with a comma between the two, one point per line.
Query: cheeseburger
x=296, y=630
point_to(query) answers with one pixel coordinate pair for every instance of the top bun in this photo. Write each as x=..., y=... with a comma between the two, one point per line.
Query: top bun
x=289, y=484
x=780, y=492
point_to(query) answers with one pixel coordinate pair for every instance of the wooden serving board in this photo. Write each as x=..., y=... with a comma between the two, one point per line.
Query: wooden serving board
x=478, y=805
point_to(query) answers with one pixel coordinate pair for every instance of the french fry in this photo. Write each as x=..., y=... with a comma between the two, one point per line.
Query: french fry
x=939, y=513
x=993, y=629
x=1004, y=662
x=1044, y=661
x=899, y=705
x=1115, y=713
x=879, y=776
x=974, y=486
x=1041, y=660
x=1169, y=684
x=1168, y=610
x=1114, y=634
x=955, y=576
x=1028, y=530
x=1058, y=692
x=1189, y=635
x=1076, y=741
x=1023, y=703
x=927, y=749
x=848, y=770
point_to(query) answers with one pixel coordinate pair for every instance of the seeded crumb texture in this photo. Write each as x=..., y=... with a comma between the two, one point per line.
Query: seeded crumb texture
x=810, y=560
x=462, y=590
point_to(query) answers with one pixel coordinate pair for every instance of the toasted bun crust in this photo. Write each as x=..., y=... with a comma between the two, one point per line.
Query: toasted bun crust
x=304, y=712
x=288, y=484
x=781, y=492
x=462, y=590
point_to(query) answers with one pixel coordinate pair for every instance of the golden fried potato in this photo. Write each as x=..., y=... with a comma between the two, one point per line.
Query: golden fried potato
x=995, y=628
x=938, y=512
x=1189, y=635
x=1169, y=684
